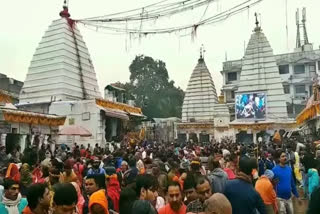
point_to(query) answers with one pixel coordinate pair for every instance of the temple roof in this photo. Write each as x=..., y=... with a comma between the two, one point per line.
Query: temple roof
x=61, y=67
x=260, y=73
x=200, y=96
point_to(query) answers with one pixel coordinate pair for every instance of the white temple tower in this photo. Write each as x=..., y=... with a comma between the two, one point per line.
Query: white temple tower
x=61, y=68
x=203, y=117
x=200, y=96
x=260, y=73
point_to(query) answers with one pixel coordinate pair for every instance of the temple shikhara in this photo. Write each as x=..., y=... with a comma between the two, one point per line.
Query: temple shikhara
x=260, y=101
x=203, y=117
x=63, y=61
x=61, y=89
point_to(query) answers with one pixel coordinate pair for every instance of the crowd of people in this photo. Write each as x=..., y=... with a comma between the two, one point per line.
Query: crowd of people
x=163, y=178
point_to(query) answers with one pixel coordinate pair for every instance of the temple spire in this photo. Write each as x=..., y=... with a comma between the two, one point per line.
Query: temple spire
x=65, y=12
x=257, y=28
x=202, y=51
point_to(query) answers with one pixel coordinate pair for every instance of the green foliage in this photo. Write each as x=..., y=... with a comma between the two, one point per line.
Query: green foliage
x=154, y=93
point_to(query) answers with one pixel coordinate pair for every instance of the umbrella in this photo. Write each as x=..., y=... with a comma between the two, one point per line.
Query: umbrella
x=75, y=130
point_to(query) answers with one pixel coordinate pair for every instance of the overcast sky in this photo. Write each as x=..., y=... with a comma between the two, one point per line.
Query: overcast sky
x=23, y=23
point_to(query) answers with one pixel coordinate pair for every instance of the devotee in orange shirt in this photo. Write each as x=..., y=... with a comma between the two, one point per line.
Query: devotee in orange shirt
x=175, y=205
x=265, y=188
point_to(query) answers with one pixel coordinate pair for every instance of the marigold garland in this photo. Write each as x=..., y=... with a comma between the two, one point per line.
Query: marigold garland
x=118, y=106
x=21, y=117
x=308, y=113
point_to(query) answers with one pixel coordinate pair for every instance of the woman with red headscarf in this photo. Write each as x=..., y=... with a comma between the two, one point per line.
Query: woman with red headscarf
x=13, y=172
x=113, y=189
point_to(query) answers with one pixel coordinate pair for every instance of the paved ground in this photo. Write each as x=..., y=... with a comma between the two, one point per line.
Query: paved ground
x=300, y=208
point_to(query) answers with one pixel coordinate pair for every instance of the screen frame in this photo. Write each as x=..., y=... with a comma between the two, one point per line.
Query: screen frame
x=251, y=119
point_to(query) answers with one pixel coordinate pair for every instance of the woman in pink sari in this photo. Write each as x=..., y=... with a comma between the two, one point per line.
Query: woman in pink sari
x=80, y=198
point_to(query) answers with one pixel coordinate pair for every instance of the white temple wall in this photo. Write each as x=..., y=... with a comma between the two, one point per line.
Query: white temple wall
x=226, y=133
x=85, y=114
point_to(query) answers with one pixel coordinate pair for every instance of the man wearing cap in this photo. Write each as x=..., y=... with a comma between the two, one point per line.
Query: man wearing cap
x=196, y=166
x=265, y=188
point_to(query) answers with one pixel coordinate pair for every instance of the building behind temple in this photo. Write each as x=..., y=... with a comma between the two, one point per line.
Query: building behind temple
x=11, y=86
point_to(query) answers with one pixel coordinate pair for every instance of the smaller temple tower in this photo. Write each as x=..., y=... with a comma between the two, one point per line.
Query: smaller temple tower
x=200, y=95
x=201, y=111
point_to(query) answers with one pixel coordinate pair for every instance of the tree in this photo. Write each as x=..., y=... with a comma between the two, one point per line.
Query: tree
x=154, y=93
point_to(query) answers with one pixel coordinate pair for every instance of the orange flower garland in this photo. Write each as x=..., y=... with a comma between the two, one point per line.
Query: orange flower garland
x=118, y=106
x=32, y=118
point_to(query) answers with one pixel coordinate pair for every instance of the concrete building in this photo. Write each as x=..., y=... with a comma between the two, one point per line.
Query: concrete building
x=11, y=86
x=116, y=92
x=203, y=117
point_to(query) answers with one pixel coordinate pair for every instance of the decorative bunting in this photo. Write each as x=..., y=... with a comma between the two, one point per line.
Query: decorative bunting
x=262, y=127
x=308, y=113
x=5, y=98
x=32, y=118
x=195, y=126
x=118, y=106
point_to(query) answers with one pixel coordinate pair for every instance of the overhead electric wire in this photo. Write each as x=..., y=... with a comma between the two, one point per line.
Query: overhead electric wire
x=210, y=20
x=154, y=13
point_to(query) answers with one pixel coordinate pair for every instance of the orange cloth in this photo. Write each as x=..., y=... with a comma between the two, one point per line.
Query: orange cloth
x=64, y=178
x=167, y=210
x=99, y=197
x=142, y=171
x=277, y=137
x=26, y=210
x=13, y=172
x=180, y=181
x=265, y=188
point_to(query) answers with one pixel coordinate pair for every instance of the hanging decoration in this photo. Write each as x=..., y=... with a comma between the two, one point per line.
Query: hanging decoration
x=15, y=116
x=118, y=22
x=195, y=126
x=5, y=98
x=118, y=106
x=263, y=126
x=313, y=105
x=308, y=113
